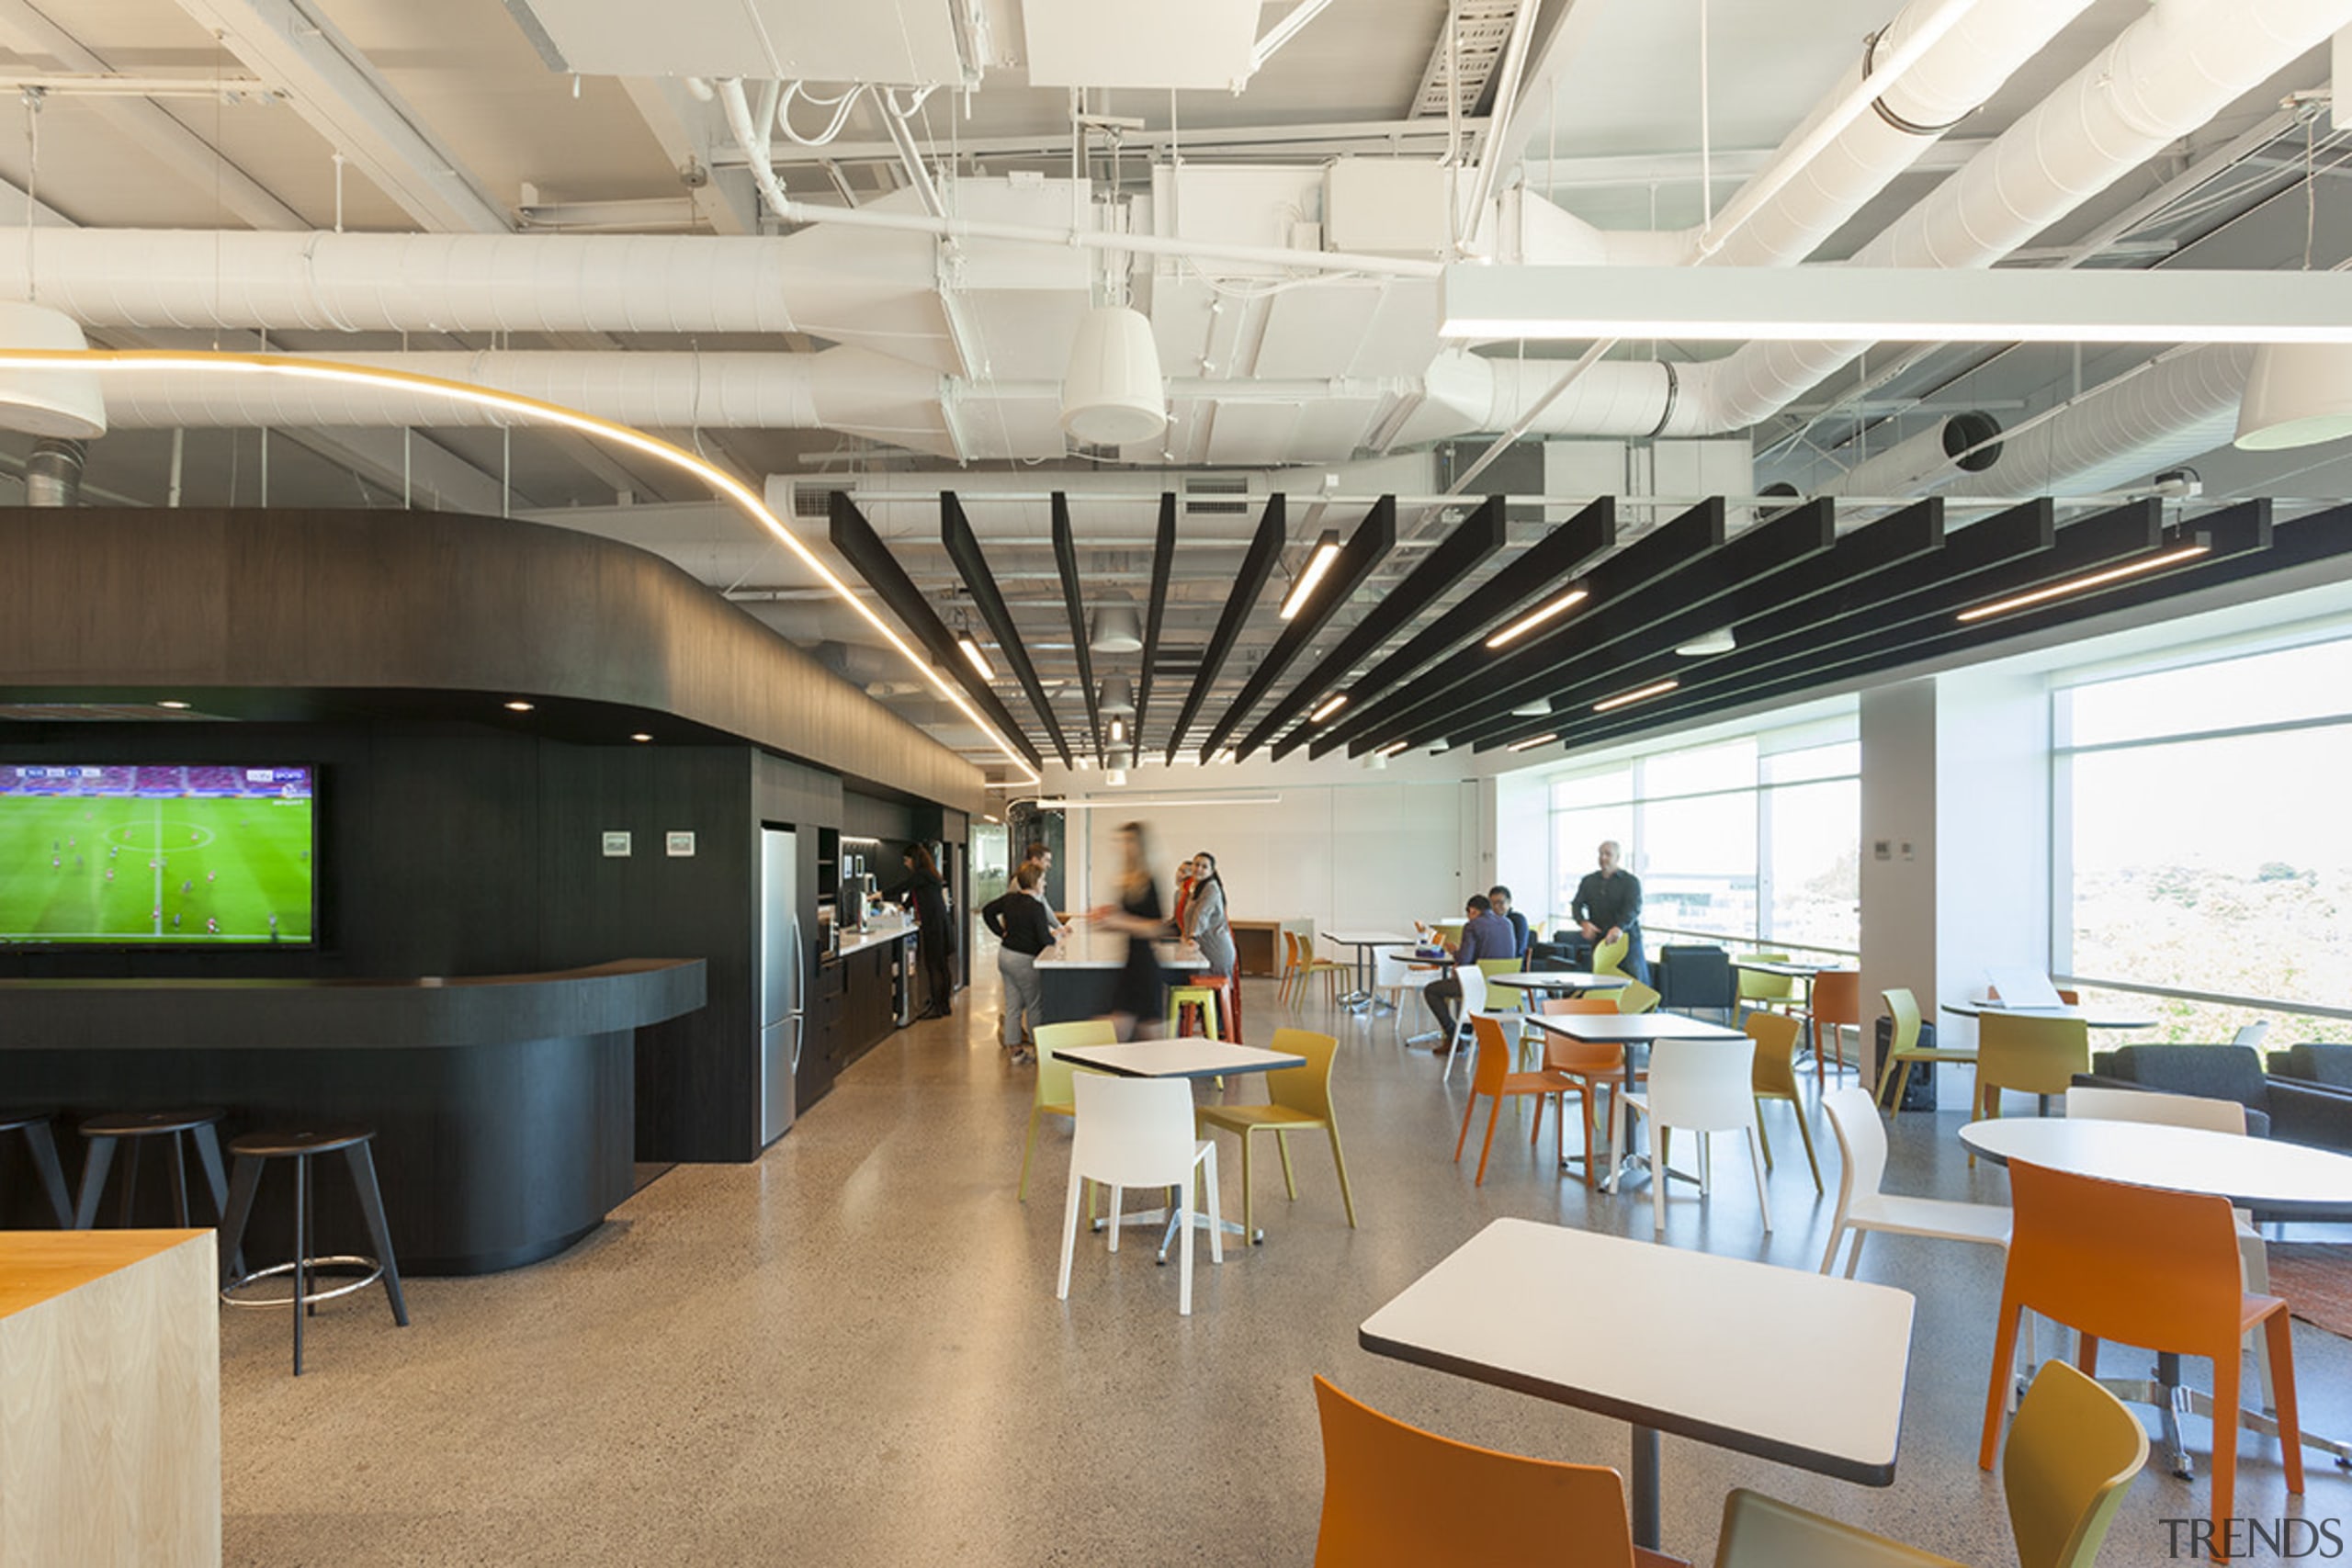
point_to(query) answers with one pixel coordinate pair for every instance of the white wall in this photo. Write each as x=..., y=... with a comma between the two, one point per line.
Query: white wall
x=1899, y=805
x=1343, y=846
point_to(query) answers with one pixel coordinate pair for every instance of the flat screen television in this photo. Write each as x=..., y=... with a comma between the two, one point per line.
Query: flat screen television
x=118, y=854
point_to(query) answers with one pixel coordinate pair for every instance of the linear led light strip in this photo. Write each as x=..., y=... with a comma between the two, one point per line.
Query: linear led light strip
x=531, y=410
x=2078, y=584
x=1124, y=802
x=1655, y=689
x=1534, y=618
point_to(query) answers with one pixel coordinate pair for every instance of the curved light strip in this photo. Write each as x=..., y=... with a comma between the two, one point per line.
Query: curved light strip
x=531, y=410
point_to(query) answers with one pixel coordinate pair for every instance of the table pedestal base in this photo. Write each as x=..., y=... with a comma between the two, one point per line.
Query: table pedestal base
x=2172, y=1400
x=1644, y=1487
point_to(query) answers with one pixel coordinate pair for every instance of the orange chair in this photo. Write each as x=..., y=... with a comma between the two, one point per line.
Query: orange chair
x=1588, y=1067
x=1836, y=1006
x=1396, y=1496
x=1493, y=1078
x=2147, y=1268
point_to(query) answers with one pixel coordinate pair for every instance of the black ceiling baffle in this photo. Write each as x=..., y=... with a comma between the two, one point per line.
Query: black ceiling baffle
x=1363, y=552
x=2241, y=543
x=1429, y=708
x=1766, y=558
x=1163, y=566
x=1758, y=612
x=1472, y=543
x=1074, y=601
x=963, y=550
x=1257, y=566
x=863, y=549
x=1537, y=571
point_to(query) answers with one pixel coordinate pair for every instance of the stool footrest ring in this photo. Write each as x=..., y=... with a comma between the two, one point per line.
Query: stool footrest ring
x=309, y=1266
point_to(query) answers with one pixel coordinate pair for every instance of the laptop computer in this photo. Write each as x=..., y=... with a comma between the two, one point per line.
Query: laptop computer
x=2024, y=990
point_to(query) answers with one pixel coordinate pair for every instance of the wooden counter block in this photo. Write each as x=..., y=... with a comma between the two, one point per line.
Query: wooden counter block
x=109, y=1399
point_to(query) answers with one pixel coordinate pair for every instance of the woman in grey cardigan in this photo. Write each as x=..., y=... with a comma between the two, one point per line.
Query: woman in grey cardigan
x=1205, y=920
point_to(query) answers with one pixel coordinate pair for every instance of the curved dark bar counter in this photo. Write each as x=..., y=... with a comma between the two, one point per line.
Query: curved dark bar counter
x=504, y=1105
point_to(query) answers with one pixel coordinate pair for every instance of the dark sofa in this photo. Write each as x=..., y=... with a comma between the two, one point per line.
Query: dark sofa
x=2329, y=1066
x=2294, y=1111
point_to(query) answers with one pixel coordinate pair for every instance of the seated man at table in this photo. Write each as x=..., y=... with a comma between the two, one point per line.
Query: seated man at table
x=1483, y=936
x=1499, y=896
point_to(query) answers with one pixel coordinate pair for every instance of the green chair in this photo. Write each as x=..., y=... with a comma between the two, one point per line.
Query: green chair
x=1775, y=1077
x=1513, y=1007
x=1635, y=997
x=1609, y=954
x=1054, y=1095
x=2073, y=1452
x=1903, y=1008
x=1769, y=992
x=1299, y=1101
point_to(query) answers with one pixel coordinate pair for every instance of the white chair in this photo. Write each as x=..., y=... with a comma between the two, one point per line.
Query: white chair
x=1393, y=976
x=2251, y=1036
x=1696, y=1086
x=1862, y=1208
x=1139, y=1132
x=1473, y=1005
x=2213, y=1116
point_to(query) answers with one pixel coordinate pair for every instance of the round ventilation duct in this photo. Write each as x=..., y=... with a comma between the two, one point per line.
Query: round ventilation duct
x=64, y=403
x=1112, y=395
x=2297, y=394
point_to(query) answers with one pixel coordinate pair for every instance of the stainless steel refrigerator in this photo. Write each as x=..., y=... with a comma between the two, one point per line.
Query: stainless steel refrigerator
x=782, y=1020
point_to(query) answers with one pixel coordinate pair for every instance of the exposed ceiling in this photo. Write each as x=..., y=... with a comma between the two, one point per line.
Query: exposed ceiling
x=893, y=363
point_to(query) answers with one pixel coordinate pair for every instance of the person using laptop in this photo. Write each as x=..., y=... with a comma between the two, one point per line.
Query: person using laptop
x=1483, y=936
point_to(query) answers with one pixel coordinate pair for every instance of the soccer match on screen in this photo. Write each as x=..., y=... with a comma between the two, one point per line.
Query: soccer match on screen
x=152, y=855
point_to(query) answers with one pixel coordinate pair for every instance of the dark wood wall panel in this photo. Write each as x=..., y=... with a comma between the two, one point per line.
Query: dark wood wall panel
x=100, y=599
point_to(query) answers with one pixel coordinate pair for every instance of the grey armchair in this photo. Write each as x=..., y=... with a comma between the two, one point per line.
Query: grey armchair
x=2328, y=1066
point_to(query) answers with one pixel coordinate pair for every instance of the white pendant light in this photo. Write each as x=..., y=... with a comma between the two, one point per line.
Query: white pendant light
x=1112, y=394
x=1118, y=697
x=1708, y=644
x=1117, y=628
x=62, y=403
x=2297, y=394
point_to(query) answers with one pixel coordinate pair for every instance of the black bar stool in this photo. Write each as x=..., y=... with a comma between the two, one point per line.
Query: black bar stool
x=252, y=1151
x=34, y=1125
x=134, y=1127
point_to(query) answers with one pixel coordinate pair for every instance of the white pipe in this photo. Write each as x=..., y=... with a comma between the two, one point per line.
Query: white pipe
x=2167, y=75
x=2186, y=405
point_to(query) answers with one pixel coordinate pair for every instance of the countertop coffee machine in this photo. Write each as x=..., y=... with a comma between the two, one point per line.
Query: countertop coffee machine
x=856, y=895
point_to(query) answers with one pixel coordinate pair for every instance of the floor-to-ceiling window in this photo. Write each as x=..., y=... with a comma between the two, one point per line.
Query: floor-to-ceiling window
x=1752, y=841
x=2202, y=847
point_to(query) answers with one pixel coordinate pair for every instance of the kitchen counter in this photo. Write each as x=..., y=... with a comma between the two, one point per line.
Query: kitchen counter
x=874, y=936
x=1086, y=948
x=1077, y=981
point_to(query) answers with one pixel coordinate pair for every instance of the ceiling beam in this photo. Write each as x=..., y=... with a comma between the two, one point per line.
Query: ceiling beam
x=1758, y=611
x=1256, y=567
x=2244, y=544
x=855, y=537
x=292, y=46
x=1364, y=550
x=1534, y=572
x=1616, y=630
x=963, y=548
x=1074, y=604
x=1164, y=568
x=26, y=30
x=689, y=134
x=1477, y=538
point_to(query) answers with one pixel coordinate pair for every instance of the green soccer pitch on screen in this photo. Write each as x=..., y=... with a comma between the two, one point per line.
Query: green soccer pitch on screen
x=158, y=855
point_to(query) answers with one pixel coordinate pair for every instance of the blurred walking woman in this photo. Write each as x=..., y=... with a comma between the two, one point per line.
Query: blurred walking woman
x=928, y=895
x=1206, y=921
x=1025, y=930
x=1137, y=998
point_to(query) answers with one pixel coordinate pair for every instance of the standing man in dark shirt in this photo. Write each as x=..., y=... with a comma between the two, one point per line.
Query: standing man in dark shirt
x=1483, y=936
x=1608, y=905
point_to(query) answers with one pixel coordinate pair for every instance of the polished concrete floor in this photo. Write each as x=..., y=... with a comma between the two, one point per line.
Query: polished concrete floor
x=850, y=1352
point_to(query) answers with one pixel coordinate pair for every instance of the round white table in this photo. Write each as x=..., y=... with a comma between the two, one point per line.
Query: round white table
x=2253, y=1173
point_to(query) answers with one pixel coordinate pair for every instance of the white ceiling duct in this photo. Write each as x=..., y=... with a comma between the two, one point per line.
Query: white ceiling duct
x=65, y=405
x=2167, y=75
x=2171, y=411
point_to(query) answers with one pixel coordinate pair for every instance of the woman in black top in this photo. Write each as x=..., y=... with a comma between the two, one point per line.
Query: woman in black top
x=1024, y=929
x=923, y=889
x=1137, y=995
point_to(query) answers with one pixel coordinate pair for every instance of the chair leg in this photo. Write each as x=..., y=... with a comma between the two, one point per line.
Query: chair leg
x=1339, y=1159
x=94, y=1182
x=1761, y=1136
x=380, y=1230
x=1836, y=1235
x=1854, y=1254
x=1616, y=1140
x=1215, y=1210
x=1584, y=1107
x=2279, y=1335
x=1493, y=1116
x=2226, y=1376
x=1885, y=1071
x=1805, y=1133
x=1183, y=1196
x=1763, y=1198
x=1902, y=1086
x=51, y=1173
x=1118, y=1196
x=1658, y=1183
x=2086, y=1353
x=2253, y=1267
x=1248, y=1188
x=245, y=1181
x=208, y=1158
x=2005, y=1346
x=1069, y=1233
x=1290, y=1178
x=1467, y=1112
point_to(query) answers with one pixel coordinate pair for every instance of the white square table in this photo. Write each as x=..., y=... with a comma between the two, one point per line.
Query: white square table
x=1573, y=981
x=1186, y=1056
x=1633, y=1031
x=1363, y=942
x=1542, y=1309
